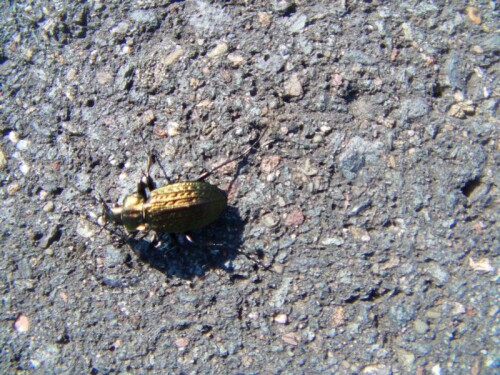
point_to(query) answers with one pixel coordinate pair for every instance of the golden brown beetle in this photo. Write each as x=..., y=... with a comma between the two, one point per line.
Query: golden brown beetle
x=174, y=208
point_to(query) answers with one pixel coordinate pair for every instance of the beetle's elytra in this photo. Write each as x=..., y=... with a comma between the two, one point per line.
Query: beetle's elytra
x=175, y=208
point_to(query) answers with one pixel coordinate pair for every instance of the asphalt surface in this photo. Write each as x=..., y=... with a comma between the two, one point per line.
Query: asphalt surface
x=361, y=234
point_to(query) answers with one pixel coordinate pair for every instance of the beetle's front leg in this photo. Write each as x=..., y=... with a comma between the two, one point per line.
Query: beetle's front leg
x=141, y=190
x=149, y=180
x=149, y=184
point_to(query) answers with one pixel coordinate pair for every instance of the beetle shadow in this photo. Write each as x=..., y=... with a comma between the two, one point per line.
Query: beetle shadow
x=213, y=247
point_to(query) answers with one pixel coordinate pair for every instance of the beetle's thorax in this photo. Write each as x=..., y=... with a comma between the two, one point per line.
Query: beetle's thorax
x=131, y=214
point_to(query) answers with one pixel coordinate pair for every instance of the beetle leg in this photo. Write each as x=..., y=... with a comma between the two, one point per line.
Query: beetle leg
x=155, y=241
x=143, y=228
x=188, y=237
x=141, y=190
x=106, y=211
x=149, y=180
x=165, y=242
x=255, y=259
x=149, y=184
x=239, y=156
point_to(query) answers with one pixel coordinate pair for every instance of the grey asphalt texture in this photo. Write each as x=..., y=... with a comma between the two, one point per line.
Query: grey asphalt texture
x=361, y=234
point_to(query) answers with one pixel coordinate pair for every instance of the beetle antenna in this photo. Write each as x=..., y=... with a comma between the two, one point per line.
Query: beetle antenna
x=153, y=158
x=106, y=211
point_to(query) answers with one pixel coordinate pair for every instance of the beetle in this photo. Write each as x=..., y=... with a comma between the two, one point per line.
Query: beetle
x=174, y=208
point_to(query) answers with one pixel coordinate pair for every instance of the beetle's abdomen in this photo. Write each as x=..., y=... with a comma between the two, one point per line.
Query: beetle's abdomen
x=184, y=206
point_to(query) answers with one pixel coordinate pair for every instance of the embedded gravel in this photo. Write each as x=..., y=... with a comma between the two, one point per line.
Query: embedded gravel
x=361, y=235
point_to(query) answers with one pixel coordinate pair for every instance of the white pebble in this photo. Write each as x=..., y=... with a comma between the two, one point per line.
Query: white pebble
x=14, y=137
x=281, y=319
x=24, y=168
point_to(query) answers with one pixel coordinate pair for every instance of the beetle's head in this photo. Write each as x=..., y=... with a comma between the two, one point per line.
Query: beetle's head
x=129, y=214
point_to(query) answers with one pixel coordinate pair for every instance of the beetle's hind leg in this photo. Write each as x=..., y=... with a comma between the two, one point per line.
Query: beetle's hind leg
x=189, y=237
x=163, y=242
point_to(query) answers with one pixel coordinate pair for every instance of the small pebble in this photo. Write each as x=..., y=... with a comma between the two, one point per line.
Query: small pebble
x=297, y=23
x=281, y=201
x=291, y=338
x=270, y=220
x=271, y=177
x=114, y=257
x=24, y=168
x=120, y=29
x=173, y=128
x=219, y=50
x=318, y=138
x=49, y=206
x=407, y=358
x=325, y=129
x=420, y=326
x=23, y=145
x=3, y=159
x=148, y=117
x=477, y=49
x=235, y=59
x=172, y=57
x=264, y=18
x=462, y=109
x=459, y=96
x=375, y=370
x=13, y=188
x=22, y=324
x=71, y=74
x=283, y=6
x=14, y=137
x=281, y=319
x=270, y=163
x=293, y=87
x=294, y=218
x=278, y=268
x=337, y=241
x=84, y=230
x=433, y=314
x=338, y=317
x=458, y=309
x=64, y=297
x=481, y=265
x=127, y=50
x=436, y=370
x=182, y=343
x=254, y=315
x=473, y=15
